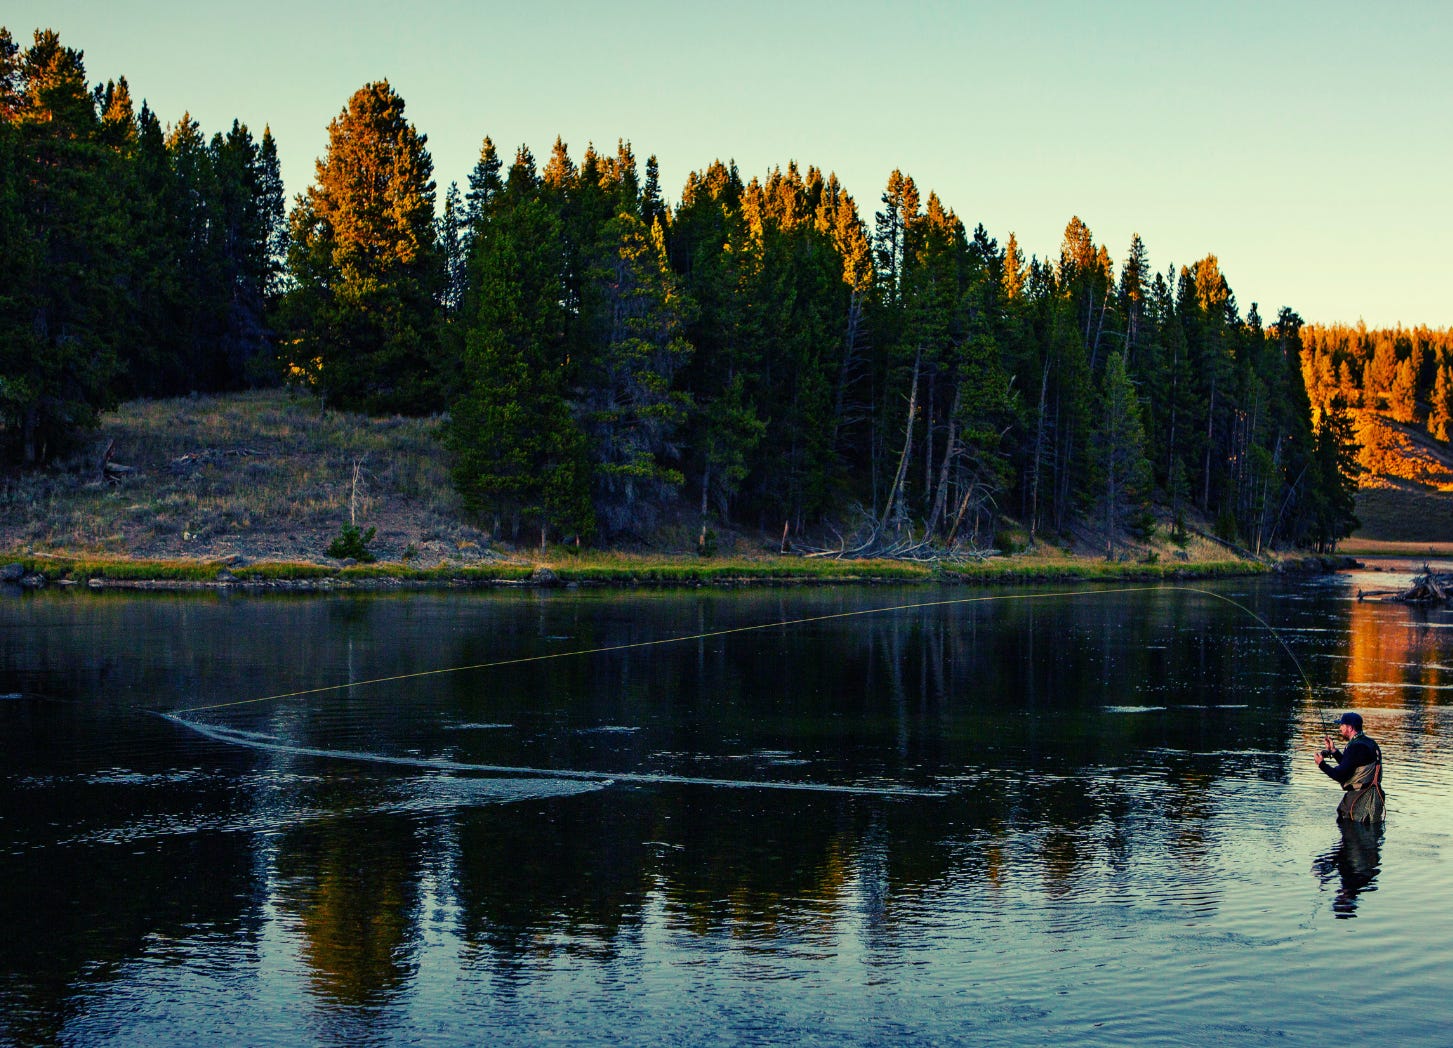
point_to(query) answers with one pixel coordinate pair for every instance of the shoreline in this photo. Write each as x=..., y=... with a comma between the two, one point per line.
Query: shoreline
x=624, y=571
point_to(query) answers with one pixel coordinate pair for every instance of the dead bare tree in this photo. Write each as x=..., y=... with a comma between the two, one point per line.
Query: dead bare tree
x=893, y=508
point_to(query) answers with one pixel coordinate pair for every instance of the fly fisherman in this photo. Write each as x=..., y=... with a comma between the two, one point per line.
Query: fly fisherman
x=1358, y=768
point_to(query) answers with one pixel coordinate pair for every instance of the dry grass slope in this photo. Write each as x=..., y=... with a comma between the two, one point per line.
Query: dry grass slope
x=261, y=475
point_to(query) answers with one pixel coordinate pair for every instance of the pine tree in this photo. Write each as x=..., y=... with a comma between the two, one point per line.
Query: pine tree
x=1283, y=515
x=1334, y=498
x=485, y=187
x=118, y=116
x=522, y=181
x=933, y=286
x=1013, y=280
x=1119, y=453
x=575, y=196
x=709, y=249
x=272, y=212
x=452, y=238
x=1203, y=304
x=64, y=237
x=898, y=227
x=1085, y=277
x=1402, y=395
x=19, y=386
x=900, y=202
x=142, y=328
x=241, y=239
x=12, y=95
x=365, y=262
x=653, y=209
x=1381, y=371
x=624, y=176
x=974, y=461
x=1133, y=293
x=519, y=454
x=795, y=301
x=1440, y=418
x=837, y=218
x=200, y=280
x=156, y=297
x=560, y=174
x=631, y=414
x=1072, y=401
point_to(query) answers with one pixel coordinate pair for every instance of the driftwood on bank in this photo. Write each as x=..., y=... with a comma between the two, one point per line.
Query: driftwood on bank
x=108, y=470
x=1429, y=587
x=873, y=541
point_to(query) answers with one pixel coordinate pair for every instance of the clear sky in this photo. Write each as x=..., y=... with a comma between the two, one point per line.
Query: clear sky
x=1308, y=144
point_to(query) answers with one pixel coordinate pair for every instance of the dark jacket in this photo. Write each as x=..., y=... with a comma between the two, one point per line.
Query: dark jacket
x=1360, y=751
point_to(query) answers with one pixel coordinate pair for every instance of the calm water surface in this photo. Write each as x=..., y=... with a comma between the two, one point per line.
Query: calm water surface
x=999, y=817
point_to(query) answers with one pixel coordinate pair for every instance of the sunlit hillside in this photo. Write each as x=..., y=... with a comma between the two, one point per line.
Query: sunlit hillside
x=1406, y=495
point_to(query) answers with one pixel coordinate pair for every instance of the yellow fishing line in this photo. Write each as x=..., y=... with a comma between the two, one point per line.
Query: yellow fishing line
x=743, y=629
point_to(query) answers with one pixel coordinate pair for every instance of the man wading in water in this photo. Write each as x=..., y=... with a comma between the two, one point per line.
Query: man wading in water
x=1358, y=769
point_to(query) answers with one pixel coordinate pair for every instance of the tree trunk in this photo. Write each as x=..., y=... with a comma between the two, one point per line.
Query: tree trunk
x=959, y=516
x=1110, y=497
x=928, y=420
x=1038, y=457
x=705, y=488
x=29, y=426
x=1065, y=459
x=850, y=351
x=895, y=493
x=950, y=452
x=1210, y=436
x=1170, y=451
x=1099, y=329
x=105, y=460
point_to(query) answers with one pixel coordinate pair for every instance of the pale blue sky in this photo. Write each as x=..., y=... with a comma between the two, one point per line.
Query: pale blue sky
x=1308, y=145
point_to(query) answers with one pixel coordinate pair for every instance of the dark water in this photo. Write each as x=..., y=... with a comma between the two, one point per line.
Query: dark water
x=1017, y=819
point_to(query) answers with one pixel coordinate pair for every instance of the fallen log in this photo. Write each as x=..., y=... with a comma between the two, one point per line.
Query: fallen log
x=1380, y=594
x=1429, y=587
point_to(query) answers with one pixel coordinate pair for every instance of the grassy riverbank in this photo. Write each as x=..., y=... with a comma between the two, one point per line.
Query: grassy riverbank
x=251, y=488
x=617, y=569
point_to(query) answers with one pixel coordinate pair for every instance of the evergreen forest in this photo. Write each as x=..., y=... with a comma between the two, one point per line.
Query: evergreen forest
x=759, y=352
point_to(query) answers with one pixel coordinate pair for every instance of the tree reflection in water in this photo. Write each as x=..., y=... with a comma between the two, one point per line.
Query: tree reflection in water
x=1354, y=860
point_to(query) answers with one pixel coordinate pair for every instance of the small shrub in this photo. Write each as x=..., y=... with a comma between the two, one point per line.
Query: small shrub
x=353, y=544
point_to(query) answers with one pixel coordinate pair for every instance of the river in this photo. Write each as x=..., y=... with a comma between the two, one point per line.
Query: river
x=828, y=815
